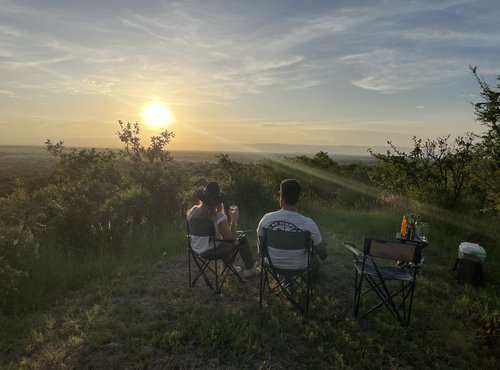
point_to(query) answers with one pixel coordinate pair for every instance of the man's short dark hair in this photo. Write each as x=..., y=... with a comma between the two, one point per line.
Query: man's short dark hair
x=290, y=191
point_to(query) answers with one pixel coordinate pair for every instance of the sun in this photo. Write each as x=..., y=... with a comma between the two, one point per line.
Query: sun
x=157, y=115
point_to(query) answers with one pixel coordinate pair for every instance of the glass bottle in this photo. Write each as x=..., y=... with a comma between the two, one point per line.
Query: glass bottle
x=411, y=227
x=402, y=232
x=417, y=233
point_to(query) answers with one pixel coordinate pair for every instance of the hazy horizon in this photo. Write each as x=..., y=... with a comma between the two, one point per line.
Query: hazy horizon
x=245, y=75
x=285, y=149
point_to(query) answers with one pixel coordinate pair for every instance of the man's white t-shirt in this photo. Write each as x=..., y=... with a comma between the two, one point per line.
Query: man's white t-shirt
x=201, y=244
x=288, y=221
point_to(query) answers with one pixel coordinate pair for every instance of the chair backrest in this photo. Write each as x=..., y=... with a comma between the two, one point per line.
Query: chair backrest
x=200, y=227
x=395, y=250
x=287, y=249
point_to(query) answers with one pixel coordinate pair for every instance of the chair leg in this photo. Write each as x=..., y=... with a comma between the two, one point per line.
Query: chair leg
x=358, y=284
x=217, y=287
x=209, y=266
x=225, y=269
x=412, y=289
x=308, y=291
x=263, y=282
x=386, y=298
x=402, y=306
x=296, y=288
x=292, y=288
x=237, y=274
x=189, y=268
x=204, y=266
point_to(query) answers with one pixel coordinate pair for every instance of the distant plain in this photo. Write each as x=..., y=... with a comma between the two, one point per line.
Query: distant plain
x=10, y=153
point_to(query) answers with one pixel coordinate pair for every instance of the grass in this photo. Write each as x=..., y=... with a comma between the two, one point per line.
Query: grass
x=136, y=311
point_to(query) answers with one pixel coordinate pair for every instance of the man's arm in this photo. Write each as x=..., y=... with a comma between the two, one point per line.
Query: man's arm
x=319, y=246
x=260, y=234
x=320, y=249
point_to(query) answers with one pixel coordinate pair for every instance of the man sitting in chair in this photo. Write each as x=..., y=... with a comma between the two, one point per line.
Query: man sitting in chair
x=289, y=219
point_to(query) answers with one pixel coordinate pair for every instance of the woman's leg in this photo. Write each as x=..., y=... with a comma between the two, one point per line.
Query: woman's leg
x=226, y=249
x=246, y=253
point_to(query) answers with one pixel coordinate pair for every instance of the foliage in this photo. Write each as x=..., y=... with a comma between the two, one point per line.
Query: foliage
x=78, y=209
x=88, y=203
x=160, y=183
x=488, y=111
x=130, y=305
x=18, y=227
x=435, y=171
x=138, y=312
x=14, y=245
x=251, y=186
x=342, y=184
x=320, y=160
x=460, y=175
x=487, y=168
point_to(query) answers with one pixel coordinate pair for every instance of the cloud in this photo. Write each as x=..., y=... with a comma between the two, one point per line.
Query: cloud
x=456, y=38
x=91, y=86
x=214, y=54
x=393, y=70
x=10, y=94
x=9, y=31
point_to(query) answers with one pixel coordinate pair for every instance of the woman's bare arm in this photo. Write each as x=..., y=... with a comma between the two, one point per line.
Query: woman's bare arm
x=228, y=232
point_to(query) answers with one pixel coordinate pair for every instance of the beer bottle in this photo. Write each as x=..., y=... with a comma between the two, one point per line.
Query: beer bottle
x=411, y=227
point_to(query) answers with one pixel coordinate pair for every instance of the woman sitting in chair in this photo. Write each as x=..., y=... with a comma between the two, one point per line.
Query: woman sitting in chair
x=211, y=207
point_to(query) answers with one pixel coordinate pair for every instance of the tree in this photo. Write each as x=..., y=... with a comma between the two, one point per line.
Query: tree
x=249, y=185
x=18, y=227
x=487, y=169
x=158, y=199
x=434, y=171
x=78, y=204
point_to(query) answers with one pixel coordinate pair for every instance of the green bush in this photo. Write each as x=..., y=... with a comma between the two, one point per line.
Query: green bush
x=151, y=169
x=14, y=246
x=19, y=228
x=77, y=205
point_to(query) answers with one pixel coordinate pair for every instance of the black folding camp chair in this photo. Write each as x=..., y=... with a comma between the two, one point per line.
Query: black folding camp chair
x=277, y=276
x=210, y=265
x=390, y=270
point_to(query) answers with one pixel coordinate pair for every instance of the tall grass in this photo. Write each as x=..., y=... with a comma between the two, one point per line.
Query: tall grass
x=135, y=310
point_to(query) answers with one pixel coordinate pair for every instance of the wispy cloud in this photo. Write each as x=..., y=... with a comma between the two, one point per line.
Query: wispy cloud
x=9, y=93
x=392, y=70
x=456, y=38
x=91, y=86
x=278, y=54
x=228, y=55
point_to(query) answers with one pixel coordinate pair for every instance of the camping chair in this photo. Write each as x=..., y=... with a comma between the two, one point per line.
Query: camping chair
x=210, y=265
x=294, y=283
x=390, y=269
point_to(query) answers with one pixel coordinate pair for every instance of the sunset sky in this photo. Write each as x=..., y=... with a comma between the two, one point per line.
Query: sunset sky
x=238, y=72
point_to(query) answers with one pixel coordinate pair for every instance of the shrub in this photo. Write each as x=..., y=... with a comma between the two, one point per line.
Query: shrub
x=18, y=226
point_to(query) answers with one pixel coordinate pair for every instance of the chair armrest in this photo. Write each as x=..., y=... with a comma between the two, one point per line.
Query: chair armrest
x=322, y=251
x=419, y=264
x=215, y=242
x=353, y=249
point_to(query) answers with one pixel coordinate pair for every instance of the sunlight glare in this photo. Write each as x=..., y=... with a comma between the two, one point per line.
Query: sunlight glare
x=157, y=115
